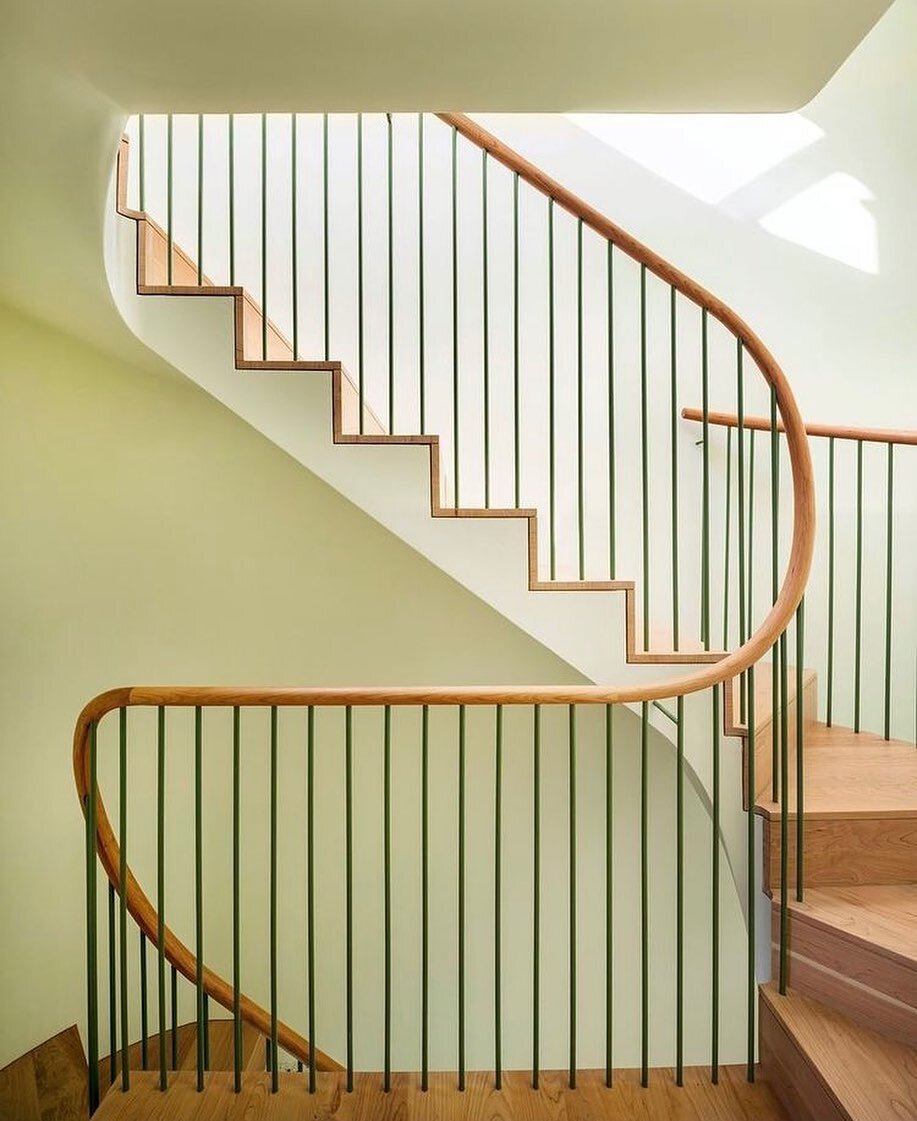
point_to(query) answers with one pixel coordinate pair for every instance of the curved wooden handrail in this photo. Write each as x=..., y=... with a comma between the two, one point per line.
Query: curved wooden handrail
x=144, y=913
x=831, y=431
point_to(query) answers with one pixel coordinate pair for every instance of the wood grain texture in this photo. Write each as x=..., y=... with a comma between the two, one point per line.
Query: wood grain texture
x=827, y=1057
x=840, y=432
x=49, y=1082
x=733, y=1099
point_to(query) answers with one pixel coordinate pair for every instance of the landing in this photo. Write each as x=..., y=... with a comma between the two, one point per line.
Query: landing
x=734, y=1099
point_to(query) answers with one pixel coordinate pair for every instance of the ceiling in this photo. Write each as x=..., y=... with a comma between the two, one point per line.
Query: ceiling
x=525, y=55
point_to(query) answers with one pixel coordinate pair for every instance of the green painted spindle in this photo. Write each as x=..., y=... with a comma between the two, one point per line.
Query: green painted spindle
x=498, y=899
x=387, y=895
x=348, y=884
x=536, y=895
x=161, y=888
x=310, y=874
x=199, y=888
x=461, y=898
x=609, y=893
x=673, y=436
x=680, y=892
x=92, y=920
x=612, y=513
x=264, y=237
x=294, y=230
x=751, y=871
x=889, y=515
x=455, y=324
x=571, y=769
x=200, y=199
x=858, y=615
x=275, y=1065
x=644, y=898
x=580, y=406
x=425, y=897
x=644, y=463
x=485, y=327
x=551, y=391
x=169, y=192
x=112, y=990
x=800, y=744
x=715, y=900
x=236, y=903
x=122, y=896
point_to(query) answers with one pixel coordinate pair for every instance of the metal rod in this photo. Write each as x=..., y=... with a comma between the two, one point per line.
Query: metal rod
x=348, y=880
x=112, y=990
x=498, y=897
x=751, y=876
x=275, y=1065
x=644, y=463
x=144, y=1004
x=727, y=538
x=326, y=255
x=294, y=230
x=485, y=327
x=673, y=391
x=161, y=888
x=800, y=745
x=200, y=199
x=612, y=512
x=740, y=464
x=391, y=276
x=425, y=897
x=142, y=166
x=571, y=767
x=169, y=238
x=122, y=896
x=461, y=898
x=199, y=888
x=705, y=498
x=889, y=520
x=784, y=819
x=536, y=894
x=421, y=318
x=516, y=439
x=264, y=237
x=609, y=893
x=858, y=615
x=751, y=532
x=680, y=893
x=580, y=404
x=92, y=919
x=551, y=390
x=360, y=308
x=174, y=1008
x=455, y=325
x=644, y=897
x=775, y=581
x=236, y=903
x=387, y=895
x=829, y=688
x=310, y=873
x=232, y=198
x=715, y=900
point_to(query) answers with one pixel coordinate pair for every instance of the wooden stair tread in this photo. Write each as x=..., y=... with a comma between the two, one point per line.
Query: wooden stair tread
x=764, y=693
x=734, y=1099
x=869, y=1077
x=850, y=774
x=48, y=1082
x=883, y=915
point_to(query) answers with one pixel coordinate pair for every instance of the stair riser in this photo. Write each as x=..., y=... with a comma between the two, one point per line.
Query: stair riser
x=790, y=1074
x=860, y=850
x=764, y=743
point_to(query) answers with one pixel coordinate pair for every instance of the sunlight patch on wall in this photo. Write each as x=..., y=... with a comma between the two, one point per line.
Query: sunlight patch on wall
x=832, y=217
x=709, y=155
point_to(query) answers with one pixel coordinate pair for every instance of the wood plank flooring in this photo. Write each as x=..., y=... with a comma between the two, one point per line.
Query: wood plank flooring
x=48, y=1083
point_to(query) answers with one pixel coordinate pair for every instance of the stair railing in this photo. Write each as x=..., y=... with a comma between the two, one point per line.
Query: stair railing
x=471, y=301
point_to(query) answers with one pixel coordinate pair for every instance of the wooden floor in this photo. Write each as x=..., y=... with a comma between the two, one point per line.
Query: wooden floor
x=47, y=1083
x=734, y=1099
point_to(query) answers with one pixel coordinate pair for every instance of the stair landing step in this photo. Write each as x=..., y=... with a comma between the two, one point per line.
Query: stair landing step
x=826, y=1068
x=853, y=774
x=884, y=916
x=734, y=1098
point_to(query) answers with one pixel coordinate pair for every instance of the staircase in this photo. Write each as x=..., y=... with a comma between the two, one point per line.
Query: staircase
x=835, y=1032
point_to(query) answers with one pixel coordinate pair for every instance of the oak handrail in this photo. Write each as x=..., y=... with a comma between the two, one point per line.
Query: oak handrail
x=901, y=436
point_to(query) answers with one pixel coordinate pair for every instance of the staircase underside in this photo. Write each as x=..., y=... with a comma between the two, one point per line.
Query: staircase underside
x=698, y=1100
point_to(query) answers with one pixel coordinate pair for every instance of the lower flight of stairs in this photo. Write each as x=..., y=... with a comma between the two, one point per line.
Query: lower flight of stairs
x=842, y=1042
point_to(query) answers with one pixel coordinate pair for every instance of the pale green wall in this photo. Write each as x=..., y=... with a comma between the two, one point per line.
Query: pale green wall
x=150, y=535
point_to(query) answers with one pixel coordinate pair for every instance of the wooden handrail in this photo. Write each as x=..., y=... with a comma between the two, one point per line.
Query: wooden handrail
x=838, y=431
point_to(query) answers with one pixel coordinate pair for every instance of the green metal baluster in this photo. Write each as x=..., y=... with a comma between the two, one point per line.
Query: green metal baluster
x=498, y=893
x=726, y=538
x=775, y=580
x=516, y=437
x=644, y=463
x=391, y=282
x=174, y=1010
x=889, y=496
x=236, y=899
x=425, y=898
x=551, y=372
x=294, y=232
x=580, y=419
x=673, y=336
x=421, y=323
x=326, y=255
x=169, y=240
x=486, y=328
x=387, y=894
x=751, y=876
x=858, y=617
x=348, y=878
x=715, y=908
x=705, y=500
x=275, y=1065
x=750, y=616
x=144, y=1004
x=142, y=167
x=680, y=893
x=199, y=887
x=360, y=314
x=740, y=458
x=461, y=899
x=92, y=920
x=310, y=872
x=830, y=682
x=571, y=767
x=206, y=1032
x=112, y=991
x=232, y=199
x=800, y=743
x=200, y=199
x=644, y=898
x=455, y=324
x=122, y=896
x=263, y=237
x=536, y=894
x=612, y=513
x=161, y=889
x=609, y=893
x=784, y=819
